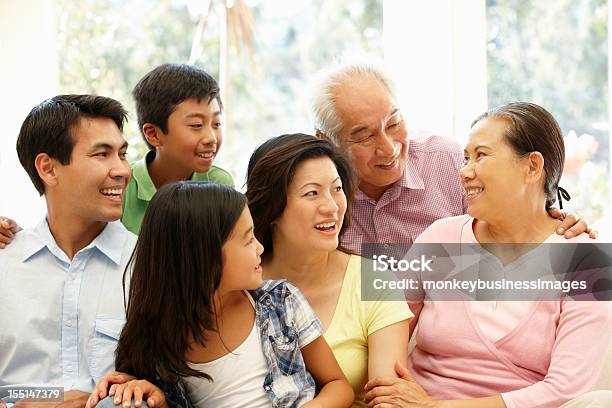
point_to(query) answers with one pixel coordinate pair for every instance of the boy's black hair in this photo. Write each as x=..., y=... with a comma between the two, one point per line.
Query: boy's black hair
x=159, y=92
x=47, y=128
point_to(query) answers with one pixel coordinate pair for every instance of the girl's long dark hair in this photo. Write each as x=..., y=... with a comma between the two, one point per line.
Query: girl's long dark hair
x=176, y=268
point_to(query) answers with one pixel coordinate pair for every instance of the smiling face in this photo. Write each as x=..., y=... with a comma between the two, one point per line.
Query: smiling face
x=373, y=132
x=315, y=207
x=241, y=257
x=493, y=176
x=194, y=135
x=91, y=186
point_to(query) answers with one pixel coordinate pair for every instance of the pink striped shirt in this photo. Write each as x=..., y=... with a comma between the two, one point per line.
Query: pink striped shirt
x=429, y=189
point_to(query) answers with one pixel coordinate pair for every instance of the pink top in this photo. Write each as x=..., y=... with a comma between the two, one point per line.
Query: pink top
x=551, y=355
x=496, y=319
x=429, y=189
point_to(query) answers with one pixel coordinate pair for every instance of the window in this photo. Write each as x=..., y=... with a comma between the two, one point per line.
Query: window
x=455, y=59
x=263, y=52
x=555, y=53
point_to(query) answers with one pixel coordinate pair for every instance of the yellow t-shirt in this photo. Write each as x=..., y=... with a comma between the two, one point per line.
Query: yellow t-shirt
x=352, y=323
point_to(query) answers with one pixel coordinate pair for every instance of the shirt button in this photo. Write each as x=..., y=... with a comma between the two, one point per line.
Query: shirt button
x=386, y=246
x=267, y=388
x=69, y=323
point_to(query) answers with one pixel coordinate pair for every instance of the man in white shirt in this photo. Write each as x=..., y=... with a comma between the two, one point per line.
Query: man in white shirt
x=62, y=307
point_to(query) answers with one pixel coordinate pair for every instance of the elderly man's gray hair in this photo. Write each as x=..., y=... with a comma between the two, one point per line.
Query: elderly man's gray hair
x=324, y=93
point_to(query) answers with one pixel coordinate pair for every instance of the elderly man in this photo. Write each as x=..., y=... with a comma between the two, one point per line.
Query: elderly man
x=404, y=184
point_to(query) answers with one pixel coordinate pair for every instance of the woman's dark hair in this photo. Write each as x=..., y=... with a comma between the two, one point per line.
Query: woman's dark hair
x=271, y=170
x=531, y=128
x=176, y=267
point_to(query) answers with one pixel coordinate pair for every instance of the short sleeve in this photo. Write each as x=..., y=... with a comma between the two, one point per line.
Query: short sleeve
x=307, y=323
x=383, y=308
x=227, y=179
x=382, y=313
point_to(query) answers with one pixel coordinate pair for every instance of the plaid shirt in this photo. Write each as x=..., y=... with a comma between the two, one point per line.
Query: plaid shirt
x=286, y=324
x=429, y=189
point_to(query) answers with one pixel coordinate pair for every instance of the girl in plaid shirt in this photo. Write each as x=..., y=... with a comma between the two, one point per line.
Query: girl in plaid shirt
x=200, y=318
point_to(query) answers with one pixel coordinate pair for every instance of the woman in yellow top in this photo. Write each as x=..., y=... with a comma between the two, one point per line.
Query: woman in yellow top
x=298, y=187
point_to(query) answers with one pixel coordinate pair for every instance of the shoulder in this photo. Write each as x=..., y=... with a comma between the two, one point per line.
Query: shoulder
x=430, y=143
x=13, y=251
x=117, y=235
x=117, y=243
x=118, y=231
x=141, y=179
x=140, y=163
x=282, y=295
x=132, y=184
x=217, y=175
x=285, y=303
x=444, y=230
x=21, y=239
x=219, y=172
x=277, y=290
x=437, y=156
x=140, y=171
x=25, y=243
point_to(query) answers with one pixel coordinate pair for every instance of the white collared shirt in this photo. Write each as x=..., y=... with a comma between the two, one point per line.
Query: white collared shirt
x=60, y=319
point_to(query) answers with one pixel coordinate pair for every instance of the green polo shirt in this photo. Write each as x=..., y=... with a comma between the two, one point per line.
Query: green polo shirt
x=140, y=190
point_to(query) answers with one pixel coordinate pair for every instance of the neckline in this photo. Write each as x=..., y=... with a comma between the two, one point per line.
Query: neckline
x=238, y=348
x=471, y=238
x=469, y=233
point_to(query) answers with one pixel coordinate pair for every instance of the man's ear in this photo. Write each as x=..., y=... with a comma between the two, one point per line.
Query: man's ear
x=535, y=170
x=46, y=167
x=152, y=133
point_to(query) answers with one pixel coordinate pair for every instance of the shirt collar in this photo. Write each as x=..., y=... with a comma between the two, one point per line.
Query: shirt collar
x=106, y=242
x=411, y=177
x=145, y=187
x=37, y=240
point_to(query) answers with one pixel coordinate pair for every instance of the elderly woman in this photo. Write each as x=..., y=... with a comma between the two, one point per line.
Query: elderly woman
x=298, y=187
x=503, y=354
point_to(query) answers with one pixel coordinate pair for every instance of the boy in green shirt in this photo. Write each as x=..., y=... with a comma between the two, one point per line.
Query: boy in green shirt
x=179, y=115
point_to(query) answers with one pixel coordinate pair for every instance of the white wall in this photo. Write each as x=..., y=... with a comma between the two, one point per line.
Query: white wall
x=28, y=75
